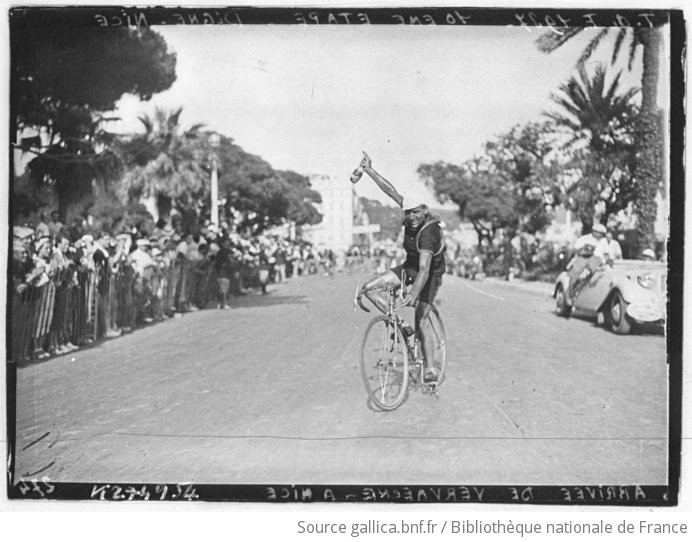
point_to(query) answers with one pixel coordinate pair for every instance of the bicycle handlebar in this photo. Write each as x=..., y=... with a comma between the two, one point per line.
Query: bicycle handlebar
x=389, y=288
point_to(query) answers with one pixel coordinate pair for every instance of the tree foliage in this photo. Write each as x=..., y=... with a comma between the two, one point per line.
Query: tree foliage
x=174, y=166
x=510, y=186
x=598, y=121
x=62, y=78
x=64, y=83
x=263, y=196
x=594, y=112
x=648, y=170
x=166, y=162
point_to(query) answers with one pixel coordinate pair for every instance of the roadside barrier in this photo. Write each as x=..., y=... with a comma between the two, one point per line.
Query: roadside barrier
x=76, y=307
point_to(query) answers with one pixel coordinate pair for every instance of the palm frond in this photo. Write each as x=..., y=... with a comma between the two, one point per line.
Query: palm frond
x=613, y=88
x=147, y=122
x=193, y=131
x=596, y=84
x=173, y=119
x=550, y=41
x=618, y=44
x=633, y=52
x=591, y=47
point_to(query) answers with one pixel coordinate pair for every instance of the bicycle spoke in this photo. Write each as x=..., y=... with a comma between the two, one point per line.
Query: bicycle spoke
x=384, y=364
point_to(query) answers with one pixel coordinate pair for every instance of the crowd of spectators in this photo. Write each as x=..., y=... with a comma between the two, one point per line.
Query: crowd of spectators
x=73, y=285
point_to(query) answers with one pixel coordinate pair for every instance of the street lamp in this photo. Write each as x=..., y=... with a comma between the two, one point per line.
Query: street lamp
x=214, y=141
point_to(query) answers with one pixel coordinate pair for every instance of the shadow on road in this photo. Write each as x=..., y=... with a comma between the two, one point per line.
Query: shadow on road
x=637, y=329
x=259, y=300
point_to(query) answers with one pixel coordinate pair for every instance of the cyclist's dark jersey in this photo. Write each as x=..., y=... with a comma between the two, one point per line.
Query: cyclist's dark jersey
x=430, y=239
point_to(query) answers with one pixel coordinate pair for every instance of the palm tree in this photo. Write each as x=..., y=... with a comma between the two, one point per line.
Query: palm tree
x=165, y=163
x=648, y=170
x=600, y=123
x=593, y=111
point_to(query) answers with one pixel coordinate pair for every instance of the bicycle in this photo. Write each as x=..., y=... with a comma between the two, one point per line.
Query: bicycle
x=389, y=361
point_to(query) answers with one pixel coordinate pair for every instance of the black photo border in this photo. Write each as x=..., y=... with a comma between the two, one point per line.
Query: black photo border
x=626, y=495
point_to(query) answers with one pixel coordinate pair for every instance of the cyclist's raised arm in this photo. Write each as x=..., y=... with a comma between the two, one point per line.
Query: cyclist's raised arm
x=382, y=183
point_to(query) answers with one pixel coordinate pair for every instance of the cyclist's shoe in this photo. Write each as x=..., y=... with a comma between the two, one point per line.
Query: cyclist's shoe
x=430, y=376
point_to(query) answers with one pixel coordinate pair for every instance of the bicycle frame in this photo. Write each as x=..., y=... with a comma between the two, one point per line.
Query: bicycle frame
x=413, y=347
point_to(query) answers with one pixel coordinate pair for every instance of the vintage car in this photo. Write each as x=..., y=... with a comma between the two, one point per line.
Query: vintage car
x=622, y=294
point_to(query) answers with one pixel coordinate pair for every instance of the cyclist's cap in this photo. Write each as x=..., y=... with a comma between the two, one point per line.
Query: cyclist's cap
x=410, y=210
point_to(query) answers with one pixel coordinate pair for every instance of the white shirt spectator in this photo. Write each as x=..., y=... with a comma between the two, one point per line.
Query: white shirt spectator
x=182, y=248
x=613, y=250
x=600, y=245
x=141, y=260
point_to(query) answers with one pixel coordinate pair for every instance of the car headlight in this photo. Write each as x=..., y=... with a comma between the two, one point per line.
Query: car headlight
x=647, y=280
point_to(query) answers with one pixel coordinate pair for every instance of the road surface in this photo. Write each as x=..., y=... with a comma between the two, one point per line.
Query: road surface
x=270, y=393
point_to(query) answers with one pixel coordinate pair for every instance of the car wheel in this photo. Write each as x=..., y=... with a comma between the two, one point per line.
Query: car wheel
x=617, y=315
x=562, y=307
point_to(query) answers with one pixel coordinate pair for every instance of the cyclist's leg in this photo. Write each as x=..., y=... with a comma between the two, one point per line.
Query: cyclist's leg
x=423, y=325
x=388, y=278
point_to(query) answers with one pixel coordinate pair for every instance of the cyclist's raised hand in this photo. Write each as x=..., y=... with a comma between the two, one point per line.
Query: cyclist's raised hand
x=366, y=161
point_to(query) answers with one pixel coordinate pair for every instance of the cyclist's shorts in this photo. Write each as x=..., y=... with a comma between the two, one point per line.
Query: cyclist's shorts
x=429, y=291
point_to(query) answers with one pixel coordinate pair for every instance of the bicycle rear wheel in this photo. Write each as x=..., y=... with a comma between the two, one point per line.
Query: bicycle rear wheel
x=439, y=342
x=384, y=363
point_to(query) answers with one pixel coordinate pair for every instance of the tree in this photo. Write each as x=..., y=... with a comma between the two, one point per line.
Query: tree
x=599, y=125
x=523, y=158
x=166, y=163
x=600, y=180
x=649, y=163
x=594, y=112
x=510, y=187
x=64, y=83
x=262, y=196
x=483, y=198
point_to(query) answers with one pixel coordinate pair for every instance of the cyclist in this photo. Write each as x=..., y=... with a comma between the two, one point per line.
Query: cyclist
x=423, y=267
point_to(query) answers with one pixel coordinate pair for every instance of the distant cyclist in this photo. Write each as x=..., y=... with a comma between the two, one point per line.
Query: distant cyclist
x=424, y=264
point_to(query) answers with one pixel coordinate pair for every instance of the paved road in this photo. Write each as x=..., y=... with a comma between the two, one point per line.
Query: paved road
x=270, y=392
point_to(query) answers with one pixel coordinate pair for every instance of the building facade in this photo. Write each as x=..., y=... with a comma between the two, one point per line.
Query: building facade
x=344, y=221
x=335, y=232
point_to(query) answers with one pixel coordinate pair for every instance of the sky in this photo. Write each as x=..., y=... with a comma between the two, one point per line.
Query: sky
x=311, y=98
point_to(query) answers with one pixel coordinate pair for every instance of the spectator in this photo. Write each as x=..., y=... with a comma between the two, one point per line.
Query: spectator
x=595, y=239
x=83, y=289
x=39, y=277
x=157, y=284
x=160, y=229
x=266, y=263
x=54, y=225
x=224, y=272
x=143, y=264
x=77, y=228
x=613, y=251
x=590, y=254
x=649, y=255
x=280, y=265
x=42, y=229
x=65, y=282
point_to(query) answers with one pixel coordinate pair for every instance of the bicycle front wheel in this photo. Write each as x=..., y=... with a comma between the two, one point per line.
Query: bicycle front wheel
x=384, y=363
